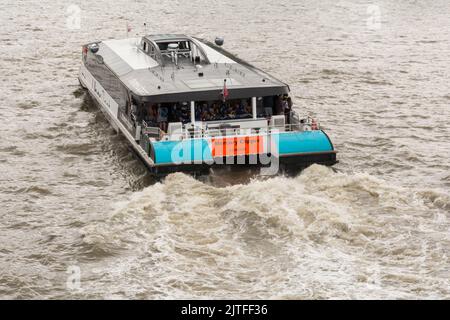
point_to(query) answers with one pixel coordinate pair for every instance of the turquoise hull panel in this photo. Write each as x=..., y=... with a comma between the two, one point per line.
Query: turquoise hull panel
x=303, y=142
x=183, y=151
x=199, y=151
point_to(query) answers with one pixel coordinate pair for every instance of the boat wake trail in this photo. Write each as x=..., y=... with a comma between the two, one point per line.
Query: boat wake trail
x=321, y=234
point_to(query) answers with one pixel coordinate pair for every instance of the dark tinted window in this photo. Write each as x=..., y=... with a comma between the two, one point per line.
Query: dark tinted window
x=94, y=63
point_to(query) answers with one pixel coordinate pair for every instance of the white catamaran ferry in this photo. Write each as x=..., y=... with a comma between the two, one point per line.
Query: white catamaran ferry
x=185, y=104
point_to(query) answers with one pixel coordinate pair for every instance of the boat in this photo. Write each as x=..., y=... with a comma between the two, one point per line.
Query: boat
x=186, y=104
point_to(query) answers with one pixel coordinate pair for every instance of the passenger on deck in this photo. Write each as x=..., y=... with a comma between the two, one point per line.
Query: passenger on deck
x=199, y=111
x=290, y=105
x=223, y=110
x=150, y=117
x=162, y=117
x=177, y=113
x=248, y=110
x=204, y=116
x=212, y=112
x=286, y=108
x=133, y=113
x=279, y=106
x=185, y=117
x=240, y=111
x=231, y=112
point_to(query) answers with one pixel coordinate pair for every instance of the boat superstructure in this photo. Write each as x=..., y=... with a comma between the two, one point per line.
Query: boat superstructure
x=186, y=104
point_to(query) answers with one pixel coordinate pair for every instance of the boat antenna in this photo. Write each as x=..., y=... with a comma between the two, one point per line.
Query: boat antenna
x=145, y=28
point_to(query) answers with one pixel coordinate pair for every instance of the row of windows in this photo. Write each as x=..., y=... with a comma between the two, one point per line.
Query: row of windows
x=107, y=79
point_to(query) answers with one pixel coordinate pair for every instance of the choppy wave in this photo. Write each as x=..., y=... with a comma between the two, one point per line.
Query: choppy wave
x=319, y=235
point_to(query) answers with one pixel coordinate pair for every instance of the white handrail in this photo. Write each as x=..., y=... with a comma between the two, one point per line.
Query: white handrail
x=297, y=124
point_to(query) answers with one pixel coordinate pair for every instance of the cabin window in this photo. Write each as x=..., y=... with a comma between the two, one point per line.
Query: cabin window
x=145, y=47
x=109, y=82
x=160, y=114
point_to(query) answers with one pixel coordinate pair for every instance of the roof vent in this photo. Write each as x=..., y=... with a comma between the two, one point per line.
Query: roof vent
x=219, y=41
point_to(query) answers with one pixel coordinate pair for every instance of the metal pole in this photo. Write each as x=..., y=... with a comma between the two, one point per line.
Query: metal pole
x=193, y=112
x=254, y=107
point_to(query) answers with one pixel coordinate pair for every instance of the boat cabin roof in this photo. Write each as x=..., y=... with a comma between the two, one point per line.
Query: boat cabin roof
x=176, y=67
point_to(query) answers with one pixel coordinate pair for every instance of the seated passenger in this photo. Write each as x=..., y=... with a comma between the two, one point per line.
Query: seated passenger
x=240, y=111
x=231, y=113
x=206, y=115
x=199, y=111
x=215, y=114
x=181, y=114
x=248, y=110
x=219, y=115
x=223, y=110
x=211, y=112
x=133, y=114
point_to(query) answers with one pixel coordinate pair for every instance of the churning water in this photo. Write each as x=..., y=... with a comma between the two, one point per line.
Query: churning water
x=75, y=201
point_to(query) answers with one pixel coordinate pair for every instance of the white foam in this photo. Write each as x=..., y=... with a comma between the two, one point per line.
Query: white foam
x=319, y=235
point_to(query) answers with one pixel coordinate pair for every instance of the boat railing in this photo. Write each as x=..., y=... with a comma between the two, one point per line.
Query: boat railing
x=201, y=130
x=150, y=131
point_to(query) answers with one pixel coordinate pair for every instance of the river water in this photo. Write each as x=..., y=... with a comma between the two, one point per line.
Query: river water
x=81, y=218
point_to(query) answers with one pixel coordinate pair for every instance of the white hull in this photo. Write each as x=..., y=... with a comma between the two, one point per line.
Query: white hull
x=110, y=108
